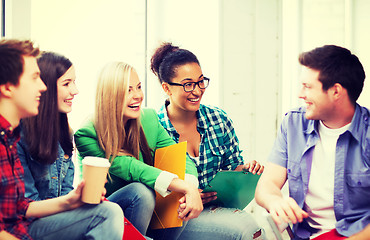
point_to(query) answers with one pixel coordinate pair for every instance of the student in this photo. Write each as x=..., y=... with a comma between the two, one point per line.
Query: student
x=64, y=217
x=128, y=135
x=323, y=150
x=212, y=142
x=45, y=148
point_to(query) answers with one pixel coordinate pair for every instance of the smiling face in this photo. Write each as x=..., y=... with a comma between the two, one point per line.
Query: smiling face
x=134, y=98
x=319, y=104
x=67, y=89
x=186, y=101
x=27, y=93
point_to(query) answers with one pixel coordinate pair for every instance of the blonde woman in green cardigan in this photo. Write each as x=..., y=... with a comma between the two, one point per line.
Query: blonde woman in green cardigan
x=128, y=135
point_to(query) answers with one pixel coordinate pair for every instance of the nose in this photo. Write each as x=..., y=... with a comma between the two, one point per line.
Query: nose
x=42, y=85
x=74, y=90
x=197, y=90
x=138, y=94
x=301, y=94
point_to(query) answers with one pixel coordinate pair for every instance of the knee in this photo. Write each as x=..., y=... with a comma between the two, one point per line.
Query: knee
x=111, y=209
x=144, y=195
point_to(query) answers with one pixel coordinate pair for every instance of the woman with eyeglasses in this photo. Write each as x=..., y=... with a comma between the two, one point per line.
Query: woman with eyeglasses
x=211, y=142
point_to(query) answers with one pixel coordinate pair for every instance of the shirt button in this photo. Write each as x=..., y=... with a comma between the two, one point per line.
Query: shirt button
x=66, y=156
x=2, y=133
x=11, y=146
x=359, y=183
x=289, y=170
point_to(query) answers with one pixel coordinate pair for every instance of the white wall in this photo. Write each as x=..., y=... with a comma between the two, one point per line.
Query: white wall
x=248, y=48
x=250, y=63
x=312, y=23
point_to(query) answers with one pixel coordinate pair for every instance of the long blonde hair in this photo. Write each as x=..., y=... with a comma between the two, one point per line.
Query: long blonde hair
x=116, y=138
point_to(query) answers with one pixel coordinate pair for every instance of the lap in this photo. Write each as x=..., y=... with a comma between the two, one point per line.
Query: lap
x=73, y=224
x=222, y=223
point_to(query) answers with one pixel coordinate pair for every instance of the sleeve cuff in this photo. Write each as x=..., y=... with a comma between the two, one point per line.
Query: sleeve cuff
x=192, y=179
x=163, y=181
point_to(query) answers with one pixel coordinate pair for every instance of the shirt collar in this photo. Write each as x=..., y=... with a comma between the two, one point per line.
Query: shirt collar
x=7, y=129
x=355, y=127
x=359, y=118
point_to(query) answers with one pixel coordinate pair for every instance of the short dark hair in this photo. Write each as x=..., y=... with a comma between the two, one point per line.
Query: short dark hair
x=336, y=65
x=167, y=58
x=11, y=59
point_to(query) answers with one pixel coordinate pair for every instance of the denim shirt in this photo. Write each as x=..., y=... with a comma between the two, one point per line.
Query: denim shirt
x=46, y=181
x=293, y=150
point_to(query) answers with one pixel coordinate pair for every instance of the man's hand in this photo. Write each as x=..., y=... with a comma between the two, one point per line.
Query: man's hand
x=286, y=209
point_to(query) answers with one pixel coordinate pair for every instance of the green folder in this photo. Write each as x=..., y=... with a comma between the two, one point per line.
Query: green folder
x=235, y=189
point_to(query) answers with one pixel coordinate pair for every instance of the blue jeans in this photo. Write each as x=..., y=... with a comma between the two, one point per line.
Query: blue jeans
x=215, y=223
x=137, y=202
x=102, y=221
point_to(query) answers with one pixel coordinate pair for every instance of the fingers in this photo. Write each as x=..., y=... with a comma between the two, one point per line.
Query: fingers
x=254, y=167
x=182, y=200
x=80, y=187
x=287, y=210
x=260, y=171
x=299, y=214
x=208, y=197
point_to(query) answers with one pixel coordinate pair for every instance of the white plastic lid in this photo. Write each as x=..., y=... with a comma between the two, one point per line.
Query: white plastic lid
x=96, y=161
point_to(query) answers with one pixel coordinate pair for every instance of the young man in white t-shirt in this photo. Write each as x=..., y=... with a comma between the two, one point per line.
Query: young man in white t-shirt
x=323, y=150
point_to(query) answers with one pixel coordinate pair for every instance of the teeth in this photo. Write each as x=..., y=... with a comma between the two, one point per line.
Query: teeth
x=68, y=101
x=194, y=100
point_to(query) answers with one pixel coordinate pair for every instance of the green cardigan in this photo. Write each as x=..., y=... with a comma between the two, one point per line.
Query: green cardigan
x=127, y=169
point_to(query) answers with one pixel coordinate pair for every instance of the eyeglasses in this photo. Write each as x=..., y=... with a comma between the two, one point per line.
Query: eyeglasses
x=190, y=86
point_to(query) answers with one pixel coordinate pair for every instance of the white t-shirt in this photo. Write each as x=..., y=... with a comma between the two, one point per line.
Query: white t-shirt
x=319, y=202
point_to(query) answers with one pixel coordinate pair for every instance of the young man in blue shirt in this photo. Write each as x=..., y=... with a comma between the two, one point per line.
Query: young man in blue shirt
x=323, y=150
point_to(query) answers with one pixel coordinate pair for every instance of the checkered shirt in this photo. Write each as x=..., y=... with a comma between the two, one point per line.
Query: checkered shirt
x=13, y=205
x=219, y=146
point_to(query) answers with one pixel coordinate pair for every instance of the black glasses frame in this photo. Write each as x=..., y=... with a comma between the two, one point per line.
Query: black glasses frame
x=205, y=80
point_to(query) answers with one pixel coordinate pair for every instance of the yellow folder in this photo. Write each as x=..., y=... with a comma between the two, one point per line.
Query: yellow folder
x=171, y=159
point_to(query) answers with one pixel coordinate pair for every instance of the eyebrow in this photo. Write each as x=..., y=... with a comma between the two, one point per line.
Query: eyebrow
x=187, y=79
x=136, y=85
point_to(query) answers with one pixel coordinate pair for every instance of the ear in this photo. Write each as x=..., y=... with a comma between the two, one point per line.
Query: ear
x=337, y=91
x=166, y=88
x=6, y=89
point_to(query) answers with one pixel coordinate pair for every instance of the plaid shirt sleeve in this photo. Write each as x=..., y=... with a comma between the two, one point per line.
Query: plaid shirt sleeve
x=13, y=205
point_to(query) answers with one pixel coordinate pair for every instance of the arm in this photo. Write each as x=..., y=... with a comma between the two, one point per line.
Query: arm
x=125, y=167
x=268, y=195
x=363, y=235
x=56, y=205
x=29, y=182
x=4, y=235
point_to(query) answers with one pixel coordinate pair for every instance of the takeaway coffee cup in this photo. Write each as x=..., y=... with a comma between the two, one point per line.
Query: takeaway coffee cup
x=94, y=171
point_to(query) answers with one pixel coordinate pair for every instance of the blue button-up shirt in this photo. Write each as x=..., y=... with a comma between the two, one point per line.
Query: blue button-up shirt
x=293, y=149
x=43, y=181
x=219, y=145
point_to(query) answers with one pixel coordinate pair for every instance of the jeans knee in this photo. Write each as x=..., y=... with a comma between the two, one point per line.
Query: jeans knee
x=111, y=209
x=145, y=196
